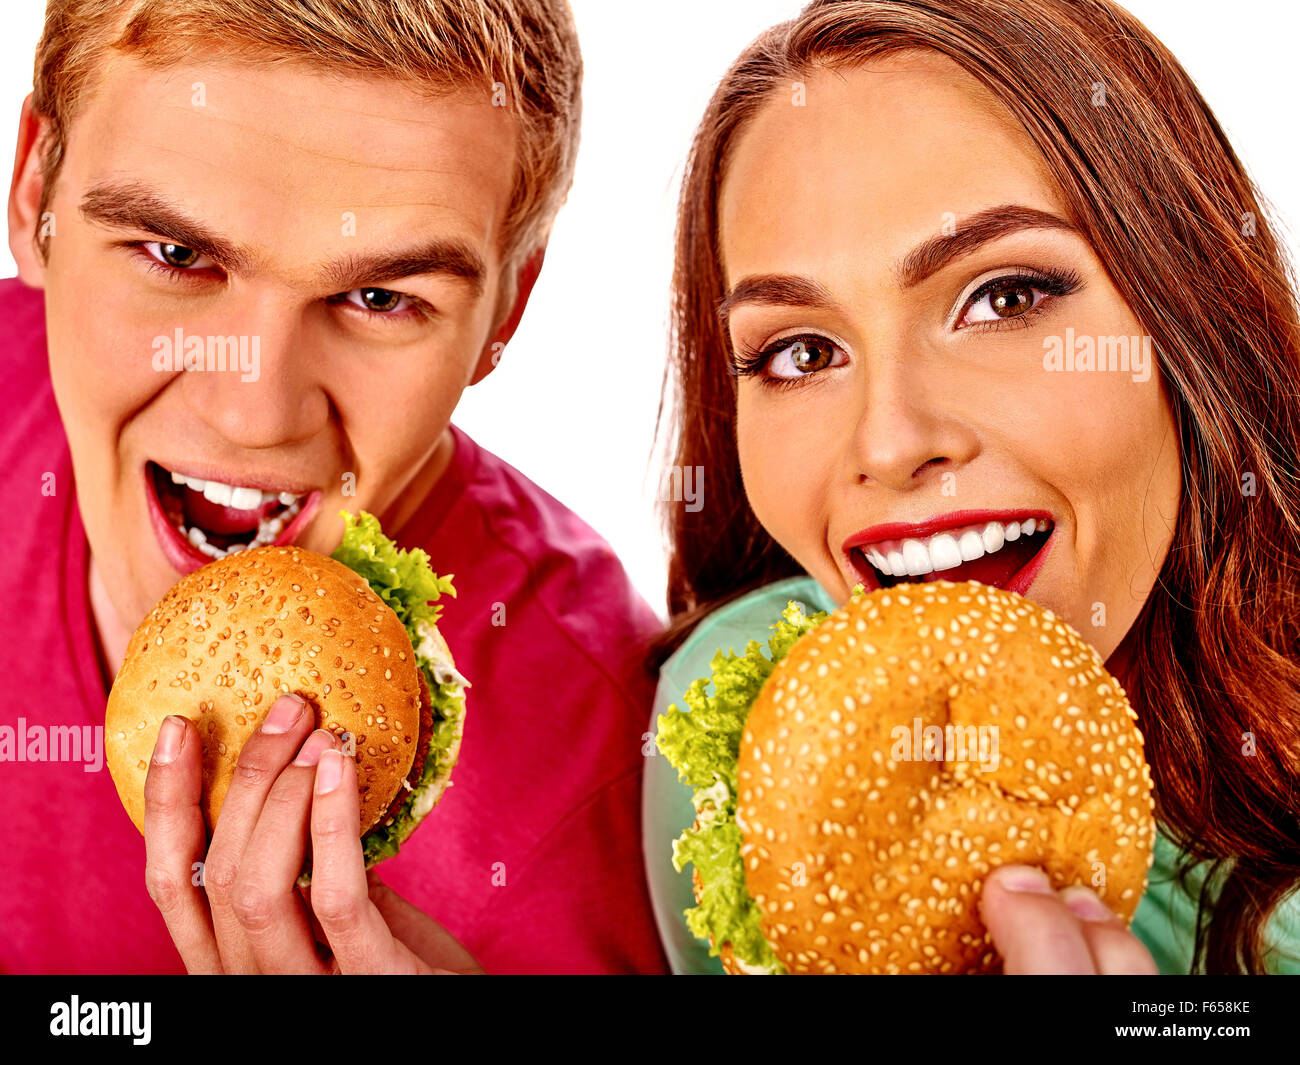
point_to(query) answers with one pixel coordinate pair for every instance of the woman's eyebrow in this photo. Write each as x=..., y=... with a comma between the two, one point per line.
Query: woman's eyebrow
x=923, y=261
x=932, y=255
x=776, y=290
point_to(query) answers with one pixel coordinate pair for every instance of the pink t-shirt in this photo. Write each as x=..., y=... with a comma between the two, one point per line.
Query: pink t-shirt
x=532, y=859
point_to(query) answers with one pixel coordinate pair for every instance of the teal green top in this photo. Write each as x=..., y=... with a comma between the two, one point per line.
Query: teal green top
x=1165, y=918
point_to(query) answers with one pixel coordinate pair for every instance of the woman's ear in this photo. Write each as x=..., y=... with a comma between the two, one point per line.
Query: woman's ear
x=27, y=228
x=523, y=287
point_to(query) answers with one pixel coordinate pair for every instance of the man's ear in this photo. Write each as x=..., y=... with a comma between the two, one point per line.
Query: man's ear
x=523, y=287
x=26, y=226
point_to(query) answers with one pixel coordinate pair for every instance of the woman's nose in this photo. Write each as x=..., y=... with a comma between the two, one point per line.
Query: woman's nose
x=908, y=430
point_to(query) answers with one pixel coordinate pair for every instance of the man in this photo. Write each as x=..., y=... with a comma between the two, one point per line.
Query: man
x=265, y=246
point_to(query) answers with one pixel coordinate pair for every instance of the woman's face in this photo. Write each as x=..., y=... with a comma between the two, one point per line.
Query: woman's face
x=913, y=314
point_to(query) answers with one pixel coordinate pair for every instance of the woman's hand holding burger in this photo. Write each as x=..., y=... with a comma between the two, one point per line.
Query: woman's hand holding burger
x=1042, y=932
x=902, y=801
x=246, y=915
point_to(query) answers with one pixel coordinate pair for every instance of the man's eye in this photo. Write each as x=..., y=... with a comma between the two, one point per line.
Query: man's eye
x=805, y=356
x=176, y=255
x=379, y=300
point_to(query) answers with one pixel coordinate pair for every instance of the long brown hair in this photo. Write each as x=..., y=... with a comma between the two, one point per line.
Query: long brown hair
x=1152, y=182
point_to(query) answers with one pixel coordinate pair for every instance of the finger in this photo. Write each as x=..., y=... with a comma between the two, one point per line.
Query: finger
x=175, y=839
x=419, y=932
x=1033, y=930
x=340, y=896
x=1115, y=950
x=317, y=932
x=265, y=900
x=262, y=758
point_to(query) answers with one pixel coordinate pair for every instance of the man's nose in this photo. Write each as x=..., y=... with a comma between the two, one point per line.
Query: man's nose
x=256, y=384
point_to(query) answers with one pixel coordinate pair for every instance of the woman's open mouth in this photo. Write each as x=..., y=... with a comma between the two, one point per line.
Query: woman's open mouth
x=1005, y=554
x=198, y=521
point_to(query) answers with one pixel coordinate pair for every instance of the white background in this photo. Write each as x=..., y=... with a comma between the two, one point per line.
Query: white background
x=574, y=401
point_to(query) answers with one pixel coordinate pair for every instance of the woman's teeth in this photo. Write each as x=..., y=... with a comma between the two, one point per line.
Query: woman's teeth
x=948, y=549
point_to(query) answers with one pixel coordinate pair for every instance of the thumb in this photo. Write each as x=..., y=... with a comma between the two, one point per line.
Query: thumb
x=1033, y=930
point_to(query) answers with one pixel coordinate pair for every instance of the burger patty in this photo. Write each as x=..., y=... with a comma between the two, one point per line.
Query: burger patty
x=421, y=753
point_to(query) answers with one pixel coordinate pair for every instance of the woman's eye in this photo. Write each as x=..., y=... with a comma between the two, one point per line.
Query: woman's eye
x=176, y=255
x=1004, y=299
x=378, y=300
x=805, y=356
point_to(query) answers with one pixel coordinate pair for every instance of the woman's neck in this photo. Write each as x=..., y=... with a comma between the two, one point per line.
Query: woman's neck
x=1120, y=664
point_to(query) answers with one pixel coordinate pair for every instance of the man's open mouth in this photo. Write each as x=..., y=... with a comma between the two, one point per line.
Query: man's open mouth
x=216, y=519
x=1005, y=554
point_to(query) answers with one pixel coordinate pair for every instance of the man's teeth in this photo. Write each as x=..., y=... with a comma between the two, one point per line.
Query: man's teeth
x=267, y=530
x=239, y=498
x=228, y=495
x=948, y=549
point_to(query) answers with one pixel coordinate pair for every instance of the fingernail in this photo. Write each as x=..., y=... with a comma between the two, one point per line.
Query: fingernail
x=310, y=753
x=169, y=740
x=1084, y=903
x=283, y=714
x=329, y=771
x=1024, y=878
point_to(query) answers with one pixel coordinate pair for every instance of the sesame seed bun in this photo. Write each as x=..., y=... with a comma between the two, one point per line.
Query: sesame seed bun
x=229, y=638
x=866, y=840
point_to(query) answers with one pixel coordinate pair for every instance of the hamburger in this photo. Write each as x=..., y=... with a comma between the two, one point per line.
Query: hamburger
x=855, y=785
x=354, y=634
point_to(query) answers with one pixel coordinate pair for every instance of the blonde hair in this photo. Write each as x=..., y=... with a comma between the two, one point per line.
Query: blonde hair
x=524, y=49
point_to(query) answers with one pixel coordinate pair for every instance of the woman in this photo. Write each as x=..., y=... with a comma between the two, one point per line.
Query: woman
x=903, y=228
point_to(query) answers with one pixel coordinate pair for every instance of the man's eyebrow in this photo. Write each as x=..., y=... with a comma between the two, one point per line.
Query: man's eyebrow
x=931, y=256
x=774, y=290
x=453, y=258
x=136, y=206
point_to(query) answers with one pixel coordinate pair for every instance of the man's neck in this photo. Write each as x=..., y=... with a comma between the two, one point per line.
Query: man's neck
x=112, y=636
x=414, y=494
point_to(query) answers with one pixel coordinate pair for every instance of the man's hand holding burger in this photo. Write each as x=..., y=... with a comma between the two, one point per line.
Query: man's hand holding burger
x=291, y=784
x=209, y=729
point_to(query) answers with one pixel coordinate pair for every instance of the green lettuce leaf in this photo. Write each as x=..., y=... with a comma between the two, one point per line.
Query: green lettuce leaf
x=405, y=581
x=402, y=579
x=702, y=742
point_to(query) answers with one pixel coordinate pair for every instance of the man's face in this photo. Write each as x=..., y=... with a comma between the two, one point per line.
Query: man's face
x=340, y=236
